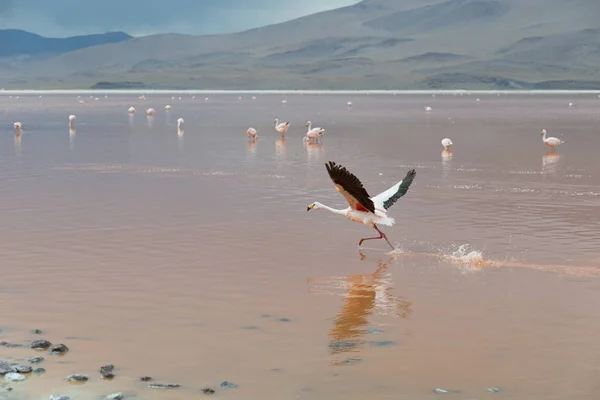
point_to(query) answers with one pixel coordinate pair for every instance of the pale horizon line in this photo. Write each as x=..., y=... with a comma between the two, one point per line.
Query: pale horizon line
x=287, y=91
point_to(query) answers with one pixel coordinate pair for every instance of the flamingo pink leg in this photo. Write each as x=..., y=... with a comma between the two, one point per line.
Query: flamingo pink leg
x=381, y=236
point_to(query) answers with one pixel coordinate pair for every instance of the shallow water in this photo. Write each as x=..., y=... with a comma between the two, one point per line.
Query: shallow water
x=191, y=258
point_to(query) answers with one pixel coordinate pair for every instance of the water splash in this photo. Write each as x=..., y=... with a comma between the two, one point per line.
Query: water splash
x=464, y=255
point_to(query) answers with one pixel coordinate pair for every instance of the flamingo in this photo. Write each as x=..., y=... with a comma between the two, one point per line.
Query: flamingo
x=551, y=142
x=428, y=109
x=72, y=119
x=281, y=127
x=349, y=104
x=131, y=110
x=168, y=107
x=18, y=129
x=150, y=111
x=180, y=124
x=283, y=101
x=252, y=135
x=447, y=143
x=313, y=133
x=363, y=208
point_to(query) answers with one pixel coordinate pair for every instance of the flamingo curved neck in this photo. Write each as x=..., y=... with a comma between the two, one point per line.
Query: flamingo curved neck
x=309, y=126
x=544, y=137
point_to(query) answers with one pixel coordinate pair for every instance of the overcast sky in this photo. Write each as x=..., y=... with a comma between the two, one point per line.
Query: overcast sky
x=140, y=17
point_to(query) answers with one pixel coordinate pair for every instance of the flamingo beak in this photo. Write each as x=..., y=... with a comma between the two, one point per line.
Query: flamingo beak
x=310, y=207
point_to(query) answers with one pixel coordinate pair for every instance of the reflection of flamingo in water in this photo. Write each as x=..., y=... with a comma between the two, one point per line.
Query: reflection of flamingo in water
x=252, y=146
x=365, y=294
x=549, y=161
x=280, y=147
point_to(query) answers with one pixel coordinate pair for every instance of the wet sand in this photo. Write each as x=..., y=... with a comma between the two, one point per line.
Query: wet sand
x=178, y=256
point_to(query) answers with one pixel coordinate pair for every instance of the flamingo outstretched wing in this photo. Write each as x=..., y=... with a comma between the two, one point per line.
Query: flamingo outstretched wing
x=350, y=187
x=389, y=197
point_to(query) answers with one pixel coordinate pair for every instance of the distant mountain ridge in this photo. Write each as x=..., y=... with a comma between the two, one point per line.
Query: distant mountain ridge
x=14, y=42
x=374, y=44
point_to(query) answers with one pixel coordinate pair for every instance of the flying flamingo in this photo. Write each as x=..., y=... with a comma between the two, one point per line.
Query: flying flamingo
x=313, y=133
x=447, y=143
x=363, y=208
x=281, y=127
x=252, y=135
x=551, y=142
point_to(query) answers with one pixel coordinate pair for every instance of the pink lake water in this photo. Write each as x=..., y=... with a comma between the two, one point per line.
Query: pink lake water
x=192, y=259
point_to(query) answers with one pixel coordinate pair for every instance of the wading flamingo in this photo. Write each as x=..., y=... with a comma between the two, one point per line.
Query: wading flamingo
x=551, y=142
x=281, y=127
x=447, y=143
x=313, y=133
x=180, y=124
x=18, y=129
x=72, y=119
x=252, y=135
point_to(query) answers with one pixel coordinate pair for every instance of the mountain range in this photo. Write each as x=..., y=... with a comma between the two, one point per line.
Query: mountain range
x=374, y=44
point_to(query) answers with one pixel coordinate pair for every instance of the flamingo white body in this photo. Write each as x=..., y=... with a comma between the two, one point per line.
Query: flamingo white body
x=180, y=123
x=283, y=101
x=18, y=128
x=142, y=97
x=551, y=142
x=281, y=127
x=131, y=110
x=349, y=104
x=253, y=97
x=313, y=133
x=150, y=111
x=72, y=119
x=428, y=109
x=446, y=142
x=168, y=107
x=251, y=132
x=364, y=209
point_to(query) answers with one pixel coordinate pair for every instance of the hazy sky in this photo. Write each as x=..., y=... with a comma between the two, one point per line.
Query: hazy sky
x=138, y=17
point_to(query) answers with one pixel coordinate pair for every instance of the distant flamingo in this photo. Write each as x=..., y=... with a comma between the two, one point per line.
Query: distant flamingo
x=168, y=107
x=447, y=143
x=551, y=142
x=180, y=123
x=150, y=111
x=283, y=101
x=252, y=135
x=313, y=133
x=18, y=129
x=72, y=119
x=131, y=110
x=281, y=127
x=428, y=109
x=349, y=104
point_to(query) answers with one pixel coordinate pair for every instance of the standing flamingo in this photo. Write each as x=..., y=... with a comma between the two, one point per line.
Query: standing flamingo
x=551, y=142
x=313, y=133
x=180, y=124
x=18, y=129
x=281, y=127
x=447, y=143
x=252, y=135
x=72, y=119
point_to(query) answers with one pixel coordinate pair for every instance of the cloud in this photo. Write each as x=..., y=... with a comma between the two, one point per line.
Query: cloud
x=5, y=8
x=69, y=17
